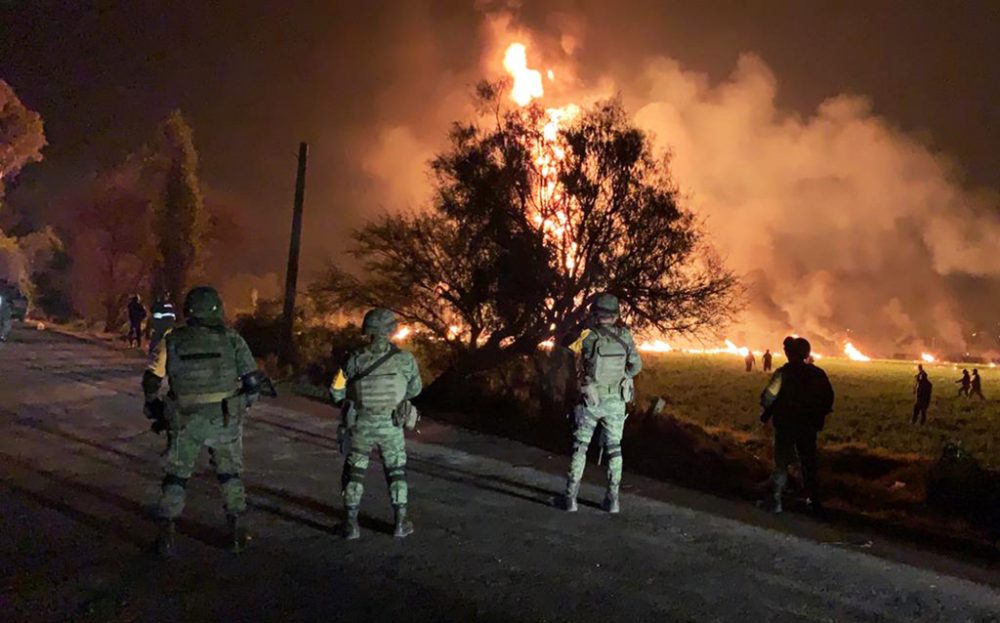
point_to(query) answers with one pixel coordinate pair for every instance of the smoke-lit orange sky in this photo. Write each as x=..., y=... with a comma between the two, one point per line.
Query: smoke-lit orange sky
x=842, y=154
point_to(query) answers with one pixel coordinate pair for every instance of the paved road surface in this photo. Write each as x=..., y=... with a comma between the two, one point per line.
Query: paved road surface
x=79, y=476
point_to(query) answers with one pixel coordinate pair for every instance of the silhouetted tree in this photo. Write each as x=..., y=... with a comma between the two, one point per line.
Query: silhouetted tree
x=178, y=214
x=524, y=230
x=22, y=135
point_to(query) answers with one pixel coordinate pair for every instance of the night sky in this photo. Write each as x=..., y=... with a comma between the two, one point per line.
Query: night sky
x=256, y=77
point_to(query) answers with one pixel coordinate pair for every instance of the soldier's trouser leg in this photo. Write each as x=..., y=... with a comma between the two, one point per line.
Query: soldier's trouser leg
x=612, y=427
x=5, y=326
x=587, y=421
x=182, y=454
x=392, y=445
x=356, y=465
x=805, y=446
x=228, y=463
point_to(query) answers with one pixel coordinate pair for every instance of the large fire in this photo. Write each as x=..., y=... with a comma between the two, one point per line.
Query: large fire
x=854, y=354
x=928, y=358
x=548, y=211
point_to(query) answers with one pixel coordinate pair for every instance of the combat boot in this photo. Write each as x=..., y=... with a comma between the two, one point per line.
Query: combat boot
x=404, y=527
x=238, y=538
x=165, y=538
x=351, y=528
x=568, y=501
x=772, y=503
x=611, y=501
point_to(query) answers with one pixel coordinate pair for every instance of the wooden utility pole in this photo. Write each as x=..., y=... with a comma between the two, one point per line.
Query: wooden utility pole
x=286, y=346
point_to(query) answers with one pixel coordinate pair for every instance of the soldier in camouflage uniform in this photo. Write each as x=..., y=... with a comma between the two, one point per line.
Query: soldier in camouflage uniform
x=374, y=385
x=213, y=381
x=609, y=361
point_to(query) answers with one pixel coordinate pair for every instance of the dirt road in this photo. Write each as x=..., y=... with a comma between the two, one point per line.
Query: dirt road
x=79, y=475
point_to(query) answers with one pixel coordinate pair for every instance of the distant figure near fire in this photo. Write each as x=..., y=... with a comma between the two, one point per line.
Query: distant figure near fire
x=965, y=382
x=766, y=360
x=750, y=360
x=922, y=388
x=977, y=384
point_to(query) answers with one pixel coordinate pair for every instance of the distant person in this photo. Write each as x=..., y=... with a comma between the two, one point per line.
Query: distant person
x=163, y=320
x=136, y=314
x=977, y=384
x=965, y=382
x=750, y=360
x=6, y=313
x=797, y=401
x=922, y=388
x=766, y=360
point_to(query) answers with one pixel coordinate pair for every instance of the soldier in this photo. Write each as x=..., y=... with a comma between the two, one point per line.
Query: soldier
x=609, y=361
x=798, y=398
x=373, y=390
x=6, y=313
x=750, y=360
x=766, y=360
x=965, y=383
x=163, y=321
x=977, y=385
x=136, y=314
x=922, y=388
x=213, y=381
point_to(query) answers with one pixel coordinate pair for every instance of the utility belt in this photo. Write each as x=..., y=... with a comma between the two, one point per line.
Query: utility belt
x=405, y=415
x=231, y=403
x=593, y=393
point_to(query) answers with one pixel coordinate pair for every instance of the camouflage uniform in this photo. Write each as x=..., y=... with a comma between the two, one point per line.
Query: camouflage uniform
x=373, y=399
x=609, y=361
x=204, y=362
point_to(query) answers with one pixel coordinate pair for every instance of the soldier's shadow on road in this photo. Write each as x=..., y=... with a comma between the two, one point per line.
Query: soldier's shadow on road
x=480, y=480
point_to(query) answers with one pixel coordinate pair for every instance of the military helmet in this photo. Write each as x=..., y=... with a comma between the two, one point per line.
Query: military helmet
x=204, y=305
x=379, y=321
x=606, y=305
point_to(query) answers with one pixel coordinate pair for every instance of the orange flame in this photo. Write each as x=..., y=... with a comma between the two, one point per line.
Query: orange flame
x=854, y=354
x=928, y=358
x=402, y=333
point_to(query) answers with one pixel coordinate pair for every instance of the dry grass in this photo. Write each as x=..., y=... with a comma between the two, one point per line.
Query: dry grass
x=873, y=408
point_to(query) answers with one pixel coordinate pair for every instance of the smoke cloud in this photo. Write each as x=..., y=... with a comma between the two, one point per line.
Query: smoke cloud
x=843, y=226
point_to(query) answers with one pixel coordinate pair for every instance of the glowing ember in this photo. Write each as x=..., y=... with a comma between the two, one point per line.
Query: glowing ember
x=402, y=333
x=927, y=357
x=854, y=354
x=548, y=344
x=527, y=82
x=656, y=346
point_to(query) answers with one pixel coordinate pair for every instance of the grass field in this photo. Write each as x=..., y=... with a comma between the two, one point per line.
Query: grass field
x=873, y=406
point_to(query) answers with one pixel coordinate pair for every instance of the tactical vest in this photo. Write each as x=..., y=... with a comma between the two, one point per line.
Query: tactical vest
x=606, y=364
x=201, y=365
x=384, y=388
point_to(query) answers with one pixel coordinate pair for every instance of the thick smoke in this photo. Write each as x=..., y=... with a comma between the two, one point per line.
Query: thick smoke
x=843, y=226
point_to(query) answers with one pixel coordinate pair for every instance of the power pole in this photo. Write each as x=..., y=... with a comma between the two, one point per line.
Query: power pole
x=286, y=346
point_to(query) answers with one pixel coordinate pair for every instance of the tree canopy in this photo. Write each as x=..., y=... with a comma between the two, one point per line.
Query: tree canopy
x=527, y=225
x=22, y=135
